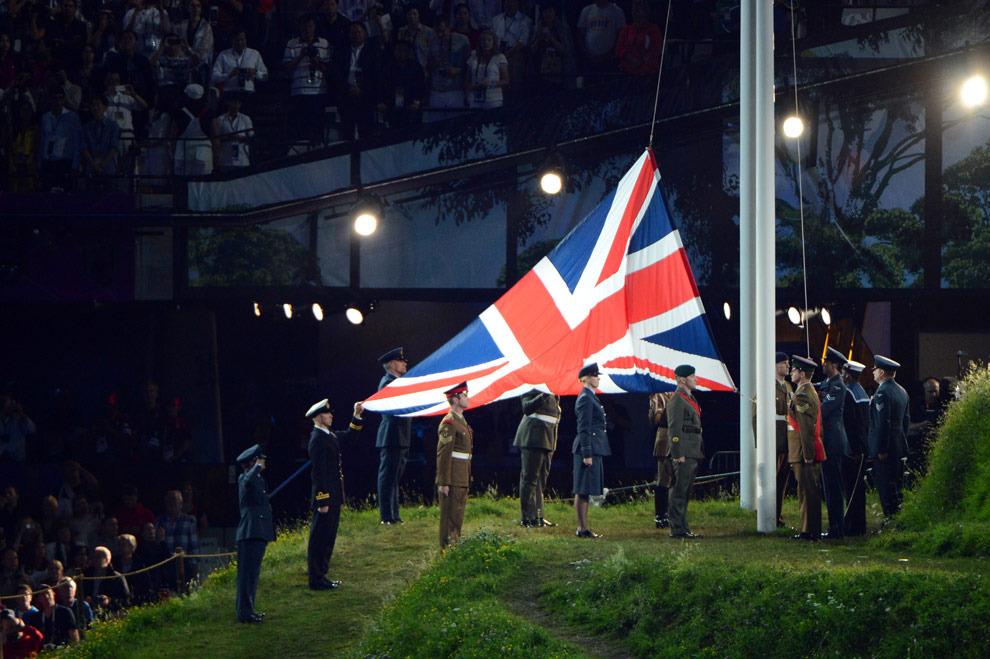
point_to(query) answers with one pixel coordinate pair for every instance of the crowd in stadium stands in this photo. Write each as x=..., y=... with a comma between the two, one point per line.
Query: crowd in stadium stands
x=74, y=539
x=95, y=92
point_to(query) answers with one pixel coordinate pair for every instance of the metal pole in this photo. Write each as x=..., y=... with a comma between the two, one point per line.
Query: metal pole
x=765, y=285
x=747, y=256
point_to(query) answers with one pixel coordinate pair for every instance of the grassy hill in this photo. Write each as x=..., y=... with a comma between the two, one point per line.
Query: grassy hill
x=506, y=591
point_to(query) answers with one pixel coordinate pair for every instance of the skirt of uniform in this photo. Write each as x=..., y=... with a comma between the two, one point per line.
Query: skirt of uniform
x=588, y=479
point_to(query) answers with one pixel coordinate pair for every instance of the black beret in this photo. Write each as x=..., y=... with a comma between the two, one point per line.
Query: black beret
x=684, y=370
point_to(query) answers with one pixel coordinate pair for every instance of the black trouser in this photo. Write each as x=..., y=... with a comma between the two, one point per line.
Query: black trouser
x=889, y=475
x=249, y=555
x=853, y=471
x=322, y=536
x=393, y=463
x=832, y=486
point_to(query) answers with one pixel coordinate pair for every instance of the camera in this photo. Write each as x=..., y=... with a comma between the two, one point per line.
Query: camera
x=312, y=51
x=241, y=77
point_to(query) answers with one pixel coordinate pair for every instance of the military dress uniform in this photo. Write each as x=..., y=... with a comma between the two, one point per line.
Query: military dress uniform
x=661, y=451
x=832, y=393
x=856, y=418
x=454, y=446
x=784, y=392
x=684, y=429
x=255, y=530
x=392, y=440
x=591, y=442
x=536, y=438
x=804, y=442
x=327, y=490
x=889, y=420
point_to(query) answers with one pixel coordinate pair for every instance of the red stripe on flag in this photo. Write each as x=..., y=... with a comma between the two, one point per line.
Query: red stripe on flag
x=399, y=388
x=659, y=288
x=532, y=315
x=646, y=365
x=620, y=243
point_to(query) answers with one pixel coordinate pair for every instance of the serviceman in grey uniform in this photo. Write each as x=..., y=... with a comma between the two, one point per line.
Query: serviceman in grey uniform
x=536, y=438
x=687, y=448
x=255, y=530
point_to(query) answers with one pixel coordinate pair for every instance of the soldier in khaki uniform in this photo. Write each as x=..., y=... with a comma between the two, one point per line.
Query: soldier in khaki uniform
x=454, y=464
x=687, y=448
x=661, y=451
x=805, y=451
x=537, y=440
x=784, y=393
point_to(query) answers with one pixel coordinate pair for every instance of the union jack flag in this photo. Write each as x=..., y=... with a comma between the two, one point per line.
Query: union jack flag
x=617, y=290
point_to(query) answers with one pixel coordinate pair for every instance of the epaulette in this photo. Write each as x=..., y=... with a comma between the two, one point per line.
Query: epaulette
x=447, y=420
x=320, y=496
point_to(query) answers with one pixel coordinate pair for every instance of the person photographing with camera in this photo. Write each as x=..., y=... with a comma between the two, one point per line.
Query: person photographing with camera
x=239, y=68
x=307, y=60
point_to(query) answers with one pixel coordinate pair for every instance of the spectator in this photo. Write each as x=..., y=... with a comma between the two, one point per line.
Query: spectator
x=239, y=68
x=131, y=567
x=236, y=131
x=306, y=60
x=132, y=514
x=599, y=27
x=21, y=605
x=403, y=89
x=66, y=35
x=15, y=425
x=61, y=546
x=150, y=24
x=416, y=34
x=232, y=15
x=35, y=563
x=22, y=163
x=113, y=438
x=553, y=48
x=333, y=27
x=514, y=33
x=178, y=529
x=85, y=525
x=191, y=507
x=147, y=419
x=174, y=63
x=483, y=13
x=639, y=44
x=378, y=26
x=106, y=588
x=48, y=519
x=107, y=535
x=78, y=559
x=193, y=131
x=488, y=74
x=89, y=78
x=11, y=514
x=101, y=144
x=462, y=25
x=198, y=33
x=152, y=551
x=11, y=575
x=65, y=594
x=126, y=107
x=177, y=439
x=355, y=10
x=134, y=69
x=61, y=136
x=449, y=53
x=105, y=37
x=20, y=640
x=73, y=92
x=28, y=534
x=9, y=62
x=75, y=481
x=55, y=571
x=157, y=149
x=359, y=86
x=56, y=623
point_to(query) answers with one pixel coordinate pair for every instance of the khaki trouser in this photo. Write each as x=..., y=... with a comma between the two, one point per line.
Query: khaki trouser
x=452, y=514
x=680, y=490
x=809, y=487
x=533, y=480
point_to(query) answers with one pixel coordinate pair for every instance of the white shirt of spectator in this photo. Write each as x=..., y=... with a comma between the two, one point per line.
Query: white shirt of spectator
x=515, y=30
x=489, y=75
x=228, y=60
x=235, y=154
x=602, y=27
x=353, y=68
x=301, y=74
x=148, y=27
x=120, y=108
x=354, y=9
x=483, y=13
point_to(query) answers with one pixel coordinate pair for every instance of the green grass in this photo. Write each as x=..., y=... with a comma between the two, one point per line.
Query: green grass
x=508, y=591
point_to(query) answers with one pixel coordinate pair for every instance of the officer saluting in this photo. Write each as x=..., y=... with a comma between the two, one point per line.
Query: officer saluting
x=456, y=441
x=328, y=489
x=255, y=530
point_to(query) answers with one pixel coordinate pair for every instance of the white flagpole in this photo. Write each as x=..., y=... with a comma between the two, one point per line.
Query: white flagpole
x=765, y=270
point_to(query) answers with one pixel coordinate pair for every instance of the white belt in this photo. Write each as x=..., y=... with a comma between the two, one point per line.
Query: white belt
x=544, y=417
x=782, y=417
x=460, y=455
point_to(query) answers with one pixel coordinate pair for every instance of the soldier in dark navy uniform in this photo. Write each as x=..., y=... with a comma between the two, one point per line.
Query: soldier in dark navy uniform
x=393, y=444
x=687, y=448
x=536, y=438
x=255, y=530
x=889, y=420
x=454, y=446
x=328, y=489
x=856, y=416
x=590, y=446
x=832, y=393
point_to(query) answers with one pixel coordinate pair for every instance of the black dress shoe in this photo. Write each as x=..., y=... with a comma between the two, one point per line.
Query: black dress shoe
x=251, y=621
x=662, y=522
x=805, y=536
x=326, y=584
x=546, y=522
x=832, y=535
x=259, y=614
x=526, y=523
x=398, y=520
x=687, y=536
x=587, y=533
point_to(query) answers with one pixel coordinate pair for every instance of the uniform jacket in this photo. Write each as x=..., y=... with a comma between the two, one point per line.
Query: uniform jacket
x=324, y=452
x=538, y=433
x=856, y=415
x=256, y=513
x=684, y=425
x=393, y=431
x=888, y=420
x=454, y=446
x=804, y=438
x=591, y=438
x=784, y=393
x=832, y=393
x=658, y=418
